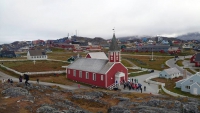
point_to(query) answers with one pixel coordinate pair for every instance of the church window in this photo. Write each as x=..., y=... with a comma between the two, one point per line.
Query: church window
x=94, y=76
x=80, y=74
x=86, y=75
x=74, y=72
x=101, y=77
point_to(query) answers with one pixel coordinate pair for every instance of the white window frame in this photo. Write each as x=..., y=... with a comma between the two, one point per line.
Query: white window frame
x=80, y=74
x=101, y=77
x=94, y=76
x=86, y=75
x=68, y=71
x=111, y=57
x=74, y=74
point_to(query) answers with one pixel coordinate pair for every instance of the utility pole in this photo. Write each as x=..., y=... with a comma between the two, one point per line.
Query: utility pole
x=152, y=55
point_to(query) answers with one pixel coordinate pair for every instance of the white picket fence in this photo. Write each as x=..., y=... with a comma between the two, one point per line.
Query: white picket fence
x=148, y=80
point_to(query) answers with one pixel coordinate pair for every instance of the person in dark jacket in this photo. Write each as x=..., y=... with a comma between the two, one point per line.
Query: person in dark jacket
x=26, y=77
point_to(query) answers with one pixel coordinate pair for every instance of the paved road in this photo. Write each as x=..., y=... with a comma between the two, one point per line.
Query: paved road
x=152, y=88
x=171, y=63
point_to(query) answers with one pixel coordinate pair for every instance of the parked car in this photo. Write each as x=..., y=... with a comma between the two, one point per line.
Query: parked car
x=151, y=71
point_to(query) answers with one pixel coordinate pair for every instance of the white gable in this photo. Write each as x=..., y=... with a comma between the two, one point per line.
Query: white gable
x=98, y=55
x=172, y=71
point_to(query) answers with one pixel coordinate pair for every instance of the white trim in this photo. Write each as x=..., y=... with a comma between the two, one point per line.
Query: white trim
x=106, y=80
x=101, y=77
x=94, y=76
x=68, y=71
x=113, y=65
x=194, y=83
x=86, y=75
x=80, y=74
x=74, y=72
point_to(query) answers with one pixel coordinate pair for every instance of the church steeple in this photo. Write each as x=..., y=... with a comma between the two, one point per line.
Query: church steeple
x=113, y=45
x=114, y=50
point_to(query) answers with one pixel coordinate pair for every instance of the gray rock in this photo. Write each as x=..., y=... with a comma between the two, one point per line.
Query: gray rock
x=118, y=109
x=95, y=94
x=190, y=107
x=153, y=102
x=15, y=92
x=46, y=109
x=123, y=98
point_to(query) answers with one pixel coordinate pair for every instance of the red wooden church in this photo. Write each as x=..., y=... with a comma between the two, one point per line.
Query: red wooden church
x=103, y=73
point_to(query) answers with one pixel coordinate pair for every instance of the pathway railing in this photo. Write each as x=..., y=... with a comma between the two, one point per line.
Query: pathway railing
x=148, y=80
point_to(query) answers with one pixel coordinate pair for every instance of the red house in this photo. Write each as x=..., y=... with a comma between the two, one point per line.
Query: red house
x=192, y=59
x=103, y=73
x=195, y=59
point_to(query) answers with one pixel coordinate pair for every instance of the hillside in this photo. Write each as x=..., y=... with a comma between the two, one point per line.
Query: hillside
x=36, y=98
x=190, y=36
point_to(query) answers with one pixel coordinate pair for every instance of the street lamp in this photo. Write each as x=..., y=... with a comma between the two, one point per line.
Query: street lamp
x=152, y=54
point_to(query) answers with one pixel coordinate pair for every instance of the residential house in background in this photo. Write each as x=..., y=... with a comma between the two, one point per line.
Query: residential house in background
x=190, y=84
x=7, y=54
x=165, y=42
x=154, y=48
x=174, y=50
x=36, y=55
x=105, y=73
x=195, y=59
x=170, y=73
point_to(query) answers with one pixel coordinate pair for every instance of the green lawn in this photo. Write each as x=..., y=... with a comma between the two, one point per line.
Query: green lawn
x=179, y=62
x=170, y=84
x=145, y=62
x=188, y=69
x=138, y=74
x=133, y=70
x=125, y=63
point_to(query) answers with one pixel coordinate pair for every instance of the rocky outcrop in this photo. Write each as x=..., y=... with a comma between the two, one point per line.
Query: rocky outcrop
x=15, y=92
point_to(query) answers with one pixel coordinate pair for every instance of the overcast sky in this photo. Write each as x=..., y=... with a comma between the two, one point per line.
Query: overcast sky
x=22, y=20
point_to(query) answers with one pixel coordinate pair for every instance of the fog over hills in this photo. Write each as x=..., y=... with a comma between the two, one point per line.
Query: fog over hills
x=190, y=36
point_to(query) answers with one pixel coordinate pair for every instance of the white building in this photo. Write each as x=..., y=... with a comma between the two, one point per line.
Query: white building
x=170, y=73
x=36, y=55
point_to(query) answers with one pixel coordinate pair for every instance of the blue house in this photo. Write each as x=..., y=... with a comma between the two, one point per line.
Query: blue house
x=190, y=84
x=170, y=73
x=165, y=42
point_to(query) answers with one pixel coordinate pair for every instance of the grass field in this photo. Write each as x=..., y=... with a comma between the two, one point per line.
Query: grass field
x=156, y=64
x=126, y=63
x=170, y=84
x=29, y=66
x=188, y=69
x=138, y=74
x=133, y=70
x=179, y=62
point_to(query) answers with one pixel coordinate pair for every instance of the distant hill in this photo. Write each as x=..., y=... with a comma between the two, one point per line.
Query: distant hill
x=190, y=36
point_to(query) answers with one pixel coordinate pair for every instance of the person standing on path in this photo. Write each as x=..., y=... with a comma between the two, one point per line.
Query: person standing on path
x=20, y=78
x=141, y=89
x=38, y=81
x=27, y=78
x=144, y=88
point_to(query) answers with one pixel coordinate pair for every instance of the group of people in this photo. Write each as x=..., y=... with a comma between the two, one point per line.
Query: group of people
x=133, y=85
x=8, y=81
x=25, y=76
